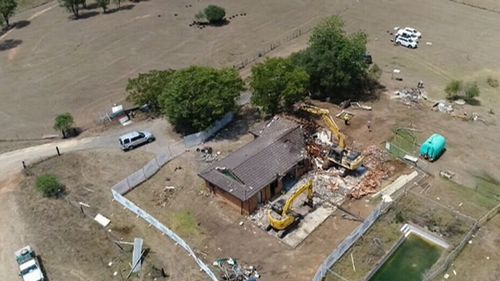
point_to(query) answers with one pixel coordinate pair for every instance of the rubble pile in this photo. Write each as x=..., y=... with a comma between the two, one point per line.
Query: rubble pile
x=161, y=197
x=231, y=270
x=207, y=154
x=378, y=170
x=411, y=96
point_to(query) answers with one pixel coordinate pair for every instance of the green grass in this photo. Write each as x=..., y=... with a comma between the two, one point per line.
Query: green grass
x=488, y=186
x=403, y=142
x=184, y=224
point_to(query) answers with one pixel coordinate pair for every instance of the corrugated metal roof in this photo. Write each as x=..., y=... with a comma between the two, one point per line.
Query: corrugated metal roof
x=245, y=172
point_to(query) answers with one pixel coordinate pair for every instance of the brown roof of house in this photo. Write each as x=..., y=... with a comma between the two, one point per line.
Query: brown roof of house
x=246, y=171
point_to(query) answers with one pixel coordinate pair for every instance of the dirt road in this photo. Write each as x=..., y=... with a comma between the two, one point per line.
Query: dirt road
x=11, y=162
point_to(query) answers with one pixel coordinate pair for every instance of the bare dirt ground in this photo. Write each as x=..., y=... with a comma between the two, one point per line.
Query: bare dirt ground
x=214, y=229
x=73, y=246
x=82, y=67
x=479, y=260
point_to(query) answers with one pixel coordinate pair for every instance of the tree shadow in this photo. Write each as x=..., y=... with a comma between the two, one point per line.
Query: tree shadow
x=241, y=125
x=10, y=44
x=123, y=7
x=86, y=15
x=22, y=23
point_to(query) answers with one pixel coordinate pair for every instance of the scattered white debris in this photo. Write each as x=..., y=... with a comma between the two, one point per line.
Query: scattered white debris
x=437, y=198
x=115, y=273
x=488, y=258
x=169, y=187
x=454, y=272
x=446, y=276
x=241, y=223
x=102, y=220
x=428, y=43
x=110, y=263
x=470, y=241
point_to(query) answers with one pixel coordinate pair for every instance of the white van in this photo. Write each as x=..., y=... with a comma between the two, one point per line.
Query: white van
x=134, y=139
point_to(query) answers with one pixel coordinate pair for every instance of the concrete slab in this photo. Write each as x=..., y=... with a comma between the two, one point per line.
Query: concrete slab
x=310, y=222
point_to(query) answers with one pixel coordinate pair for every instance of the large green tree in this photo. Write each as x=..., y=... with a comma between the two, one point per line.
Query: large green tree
x=7, y=8
x=63, y=123
x=277, y=84
x=334, y=60
x=147, y=87
x=198, y=96
x=72, y=6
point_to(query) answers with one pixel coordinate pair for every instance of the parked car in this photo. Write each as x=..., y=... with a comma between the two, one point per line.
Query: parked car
x=408, y=35
x=29, y=266
x=406, y=42
x=410, y=30
x=134, y=139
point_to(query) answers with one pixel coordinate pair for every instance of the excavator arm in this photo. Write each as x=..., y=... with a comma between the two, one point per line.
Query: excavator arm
x=328, y=120
x=286, y=218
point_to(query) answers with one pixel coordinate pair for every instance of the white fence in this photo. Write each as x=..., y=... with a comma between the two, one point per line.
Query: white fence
x=350, y=240
x=134, y=180
x=200, y=137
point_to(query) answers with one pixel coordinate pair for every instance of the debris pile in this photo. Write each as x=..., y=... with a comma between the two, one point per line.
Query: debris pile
x=378, y=170
x=410, y=96
x=161, y=197
x=231, y=270
x=207, y=154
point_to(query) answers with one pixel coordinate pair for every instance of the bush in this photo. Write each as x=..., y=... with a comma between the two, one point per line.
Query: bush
x=49, y=185
x=214, y=14
x=471, y=91
x=492, y=82
x=453, y=89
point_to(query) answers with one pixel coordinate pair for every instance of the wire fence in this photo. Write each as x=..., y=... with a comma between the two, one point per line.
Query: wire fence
x=200, y=137
x=136, y=179
x=275, y=44
x=403, y=142
x=350, y=240
x=439, y=268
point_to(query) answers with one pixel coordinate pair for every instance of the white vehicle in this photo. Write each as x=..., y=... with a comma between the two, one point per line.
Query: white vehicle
x=407, y=35
x=135, y=139
x=411, y=31
x=406, y=42
x=29, y=267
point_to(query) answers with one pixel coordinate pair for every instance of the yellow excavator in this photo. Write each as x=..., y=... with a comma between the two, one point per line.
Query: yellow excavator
x=339, y=155
x=281, y=217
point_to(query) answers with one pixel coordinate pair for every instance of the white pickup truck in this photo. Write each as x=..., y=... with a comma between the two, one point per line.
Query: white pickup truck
x=29, y=267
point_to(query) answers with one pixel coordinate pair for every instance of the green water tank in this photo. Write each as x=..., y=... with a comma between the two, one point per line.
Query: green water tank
x=433, y=147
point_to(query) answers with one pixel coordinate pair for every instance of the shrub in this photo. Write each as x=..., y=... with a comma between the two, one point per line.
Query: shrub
x=49, y=185
x=471, y=91
x=453, y=89
x=214, y=14
x=492, y=82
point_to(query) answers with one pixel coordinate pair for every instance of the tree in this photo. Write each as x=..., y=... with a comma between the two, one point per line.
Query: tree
x=147, y=87
x=63, y=123
x=72, y=6
x=214, y=14
x=196, y=97
x=7, y=8
x=277, y=84
x=334, y=60
x=103, y=4
x=49, y=185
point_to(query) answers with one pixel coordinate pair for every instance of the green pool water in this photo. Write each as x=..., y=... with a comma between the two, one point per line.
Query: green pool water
x=409, y=261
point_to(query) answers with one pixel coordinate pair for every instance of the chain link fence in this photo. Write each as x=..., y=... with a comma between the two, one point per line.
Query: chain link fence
x=200, y=137
x=350, y=240
x=403, y=142
x=136, y=179
x=438, y=269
